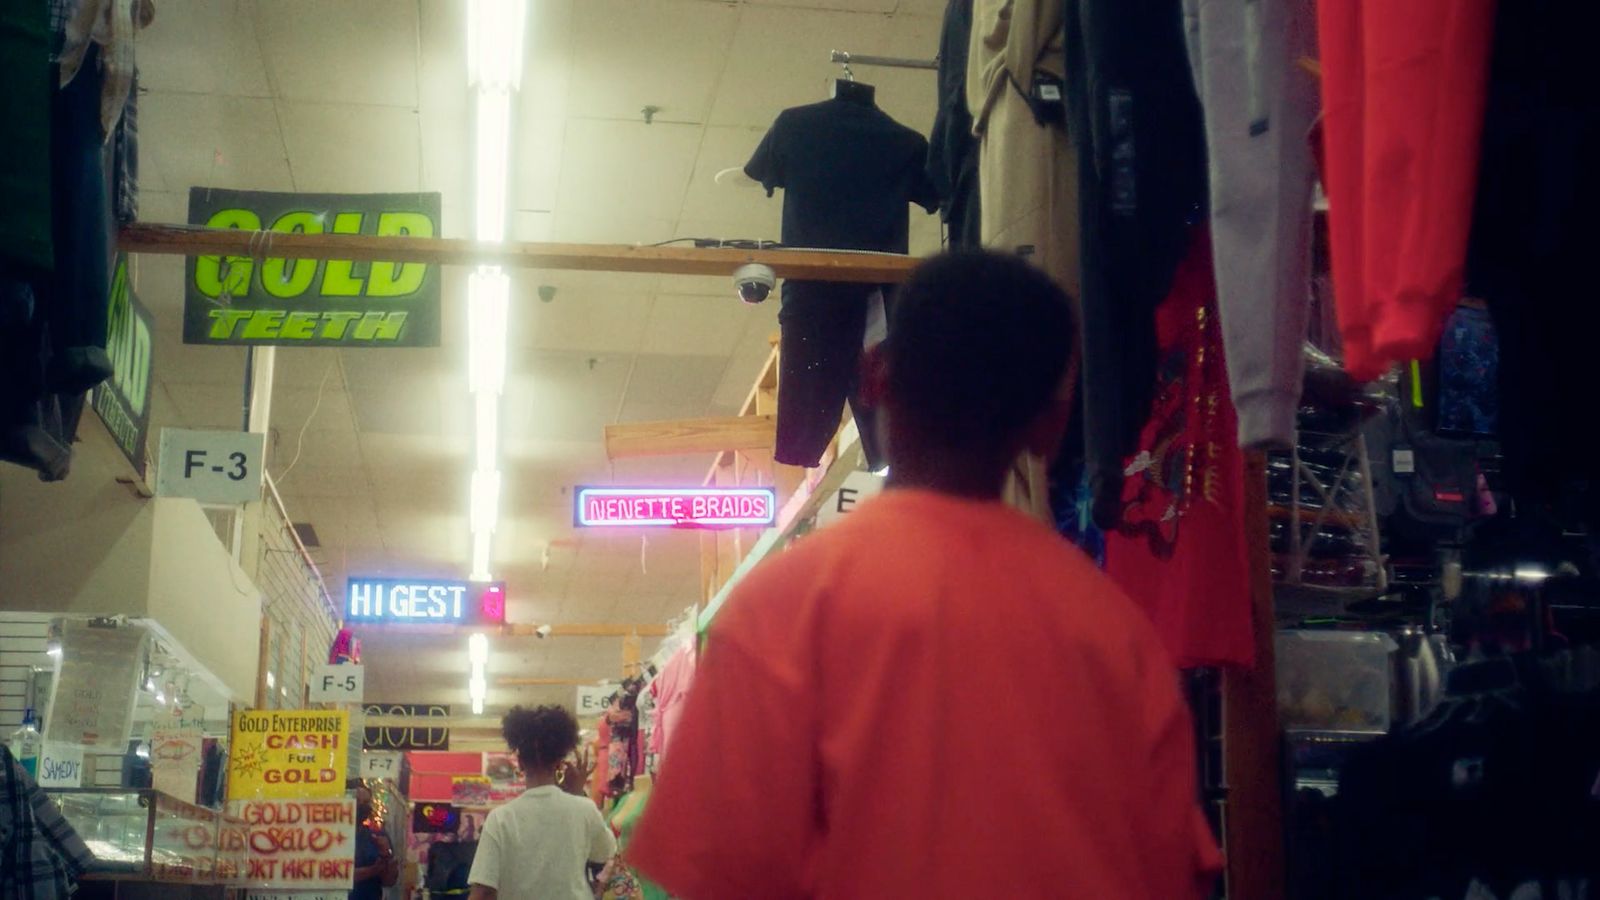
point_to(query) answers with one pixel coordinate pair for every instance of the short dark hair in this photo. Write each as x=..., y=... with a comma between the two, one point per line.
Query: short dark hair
x=978, y=344
x=542, y=737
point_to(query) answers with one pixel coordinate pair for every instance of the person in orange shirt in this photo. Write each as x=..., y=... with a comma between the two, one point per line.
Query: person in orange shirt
x=938, y=697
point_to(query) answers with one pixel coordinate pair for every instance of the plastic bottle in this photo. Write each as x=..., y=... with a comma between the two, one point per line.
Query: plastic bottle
x=26, y=744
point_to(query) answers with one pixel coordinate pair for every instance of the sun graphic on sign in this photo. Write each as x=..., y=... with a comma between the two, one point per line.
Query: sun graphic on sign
x=249, y=760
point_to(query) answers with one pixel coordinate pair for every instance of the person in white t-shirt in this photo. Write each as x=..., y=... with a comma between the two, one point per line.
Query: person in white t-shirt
x=538, y=846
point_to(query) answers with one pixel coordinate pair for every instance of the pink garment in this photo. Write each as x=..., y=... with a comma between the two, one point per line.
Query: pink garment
x=670, y=689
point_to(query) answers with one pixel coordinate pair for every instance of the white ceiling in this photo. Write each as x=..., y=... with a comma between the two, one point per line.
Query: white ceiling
x=371, y=95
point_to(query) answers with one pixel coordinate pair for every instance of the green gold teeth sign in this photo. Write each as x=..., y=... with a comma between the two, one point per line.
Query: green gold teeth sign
x=266, y=300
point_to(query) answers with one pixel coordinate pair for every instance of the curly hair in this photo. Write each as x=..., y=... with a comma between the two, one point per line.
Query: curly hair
x=541, y=737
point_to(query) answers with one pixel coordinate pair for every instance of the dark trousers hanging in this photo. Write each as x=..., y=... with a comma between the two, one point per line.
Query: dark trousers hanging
x=1134, y=115
x=819, y=367
x=75, y=302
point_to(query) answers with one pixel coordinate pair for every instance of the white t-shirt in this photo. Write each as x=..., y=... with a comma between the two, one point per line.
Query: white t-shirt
x=536, y=846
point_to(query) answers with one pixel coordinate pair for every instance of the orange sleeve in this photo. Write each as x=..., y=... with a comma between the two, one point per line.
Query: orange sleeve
x=1181, y=855
x=735, y=811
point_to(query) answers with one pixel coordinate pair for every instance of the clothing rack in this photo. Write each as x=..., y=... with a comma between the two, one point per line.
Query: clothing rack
x=847, y=59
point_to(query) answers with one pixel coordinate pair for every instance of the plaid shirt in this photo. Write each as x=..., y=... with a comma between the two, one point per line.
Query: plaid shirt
x=40, y=854
x=61, y=12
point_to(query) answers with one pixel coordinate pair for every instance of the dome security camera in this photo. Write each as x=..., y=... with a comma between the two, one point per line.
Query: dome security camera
x=755, y=282
x=543, y=631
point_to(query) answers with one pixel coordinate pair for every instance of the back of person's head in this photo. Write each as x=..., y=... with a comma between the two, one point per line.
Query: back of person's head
x=979, y=343
x=541, y=737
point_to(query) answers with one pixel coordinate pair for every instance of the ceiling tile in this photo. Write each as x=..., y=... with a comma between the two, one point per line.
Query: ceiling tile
x=536, y=179
x=344, y=148
x=668, y=54
x=745, y=365
x=547, y=59
x=625, y=170
x=584, y=226
x=583, y=321
x=779, y=58
x=877, y=6
x=731, y=210
x=563, y=396
x=212, y=141
x=923, y=7
x=202, y=46
x=161, y=205
x=671, y=387
x=158, y=283
x=306, y=367
x=288, y=446
x=402, y=391
x=685, y=325
x=353, y=51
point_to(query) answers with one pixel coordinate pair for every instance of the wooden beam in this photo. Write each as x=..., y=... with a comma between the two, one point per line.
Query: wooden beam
x=685, y=436
x=1251, y=743
x=812, y=265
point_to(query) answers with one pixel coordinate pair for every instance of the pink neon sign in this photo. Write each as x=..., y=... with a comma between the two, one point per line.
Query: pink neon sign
x=675, y=507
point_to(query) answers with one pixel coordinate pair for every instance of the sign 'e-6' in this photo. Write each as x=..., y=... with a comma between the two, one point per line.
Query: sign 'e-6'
x=309, y=302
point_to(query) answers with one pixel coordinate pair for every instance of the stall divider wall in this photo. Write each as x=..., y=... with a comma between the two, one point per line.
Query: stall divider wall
x=91, y=546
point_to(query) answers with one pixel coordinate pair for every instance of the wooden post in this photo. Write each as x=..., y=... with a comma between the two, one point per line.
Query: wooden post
x=676, y=437
x=1252, y=744
x=264, y=655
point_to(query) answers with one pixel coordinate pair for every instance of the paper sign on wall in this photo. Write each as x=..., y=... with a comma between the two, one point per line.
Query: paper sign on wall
x=303, y=845
x=471, y=790
x=61, y=766
x=594, y=698
x=382, y=764
x=342, y=683
x=175, y=755
x=857, y=487
x=92, y=703
x=288, y=754
x=210, y=466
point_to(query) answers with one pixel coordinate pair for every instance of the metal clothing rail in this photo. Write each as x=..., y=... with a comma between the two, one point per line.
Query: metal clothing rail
x=845, y=58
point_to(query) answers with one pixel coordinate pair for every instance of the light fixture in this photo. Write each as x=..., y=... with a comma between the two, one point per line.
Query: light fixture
x=493, y=164
x=488, y=436
x=495, y=36
x=494, y=43
x=480, y=557
x=478, y=683
x=488, y=295
x=485, y=501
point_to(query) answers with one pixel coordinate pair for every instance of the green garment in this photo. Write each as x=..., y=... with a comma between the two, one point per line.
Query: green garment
x=624, y=816
x=25, y=152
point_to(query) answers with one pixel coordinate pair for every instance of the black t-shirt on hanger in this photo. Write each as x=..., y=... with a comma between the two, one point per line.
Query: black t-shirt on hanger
x=847, y=170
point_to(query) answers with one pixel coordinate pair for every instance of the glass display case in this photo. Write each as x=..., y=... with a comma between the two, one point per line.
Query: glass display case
x=143, y=834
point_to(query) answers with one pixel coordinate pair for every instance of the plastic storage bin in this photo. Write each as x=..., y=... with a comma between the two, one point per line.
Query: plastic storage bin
x=1338, y=681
